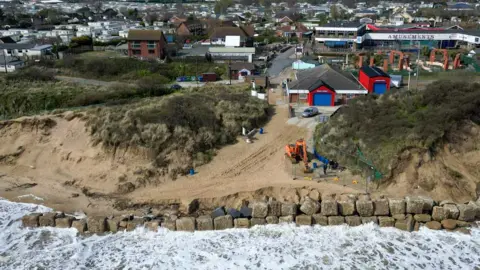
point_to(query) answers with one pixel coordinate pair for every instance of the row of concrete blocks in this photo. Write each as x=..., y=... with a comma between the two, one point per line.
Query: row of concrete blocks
x=367, y=208
x=204, y=223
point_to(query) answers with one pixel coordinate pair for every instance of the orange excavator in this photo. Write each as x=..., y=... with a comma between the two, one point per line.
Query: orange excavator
x=297, y=152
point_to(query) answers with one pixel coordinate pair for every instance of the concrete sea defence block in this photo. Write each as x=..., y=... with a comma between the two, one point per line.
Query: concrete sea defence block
x=449, y=224
x=397, y=206
x=466, y=212
x=439, y=213
x=336, y=220
x=185, y=224
x=414, y=205
x=329, y=208
x=452, y=211
x=258, y=221
x=434, y=225
x=97, y=224
x=286, y=219
x=223, y=222
x=303, y=220
x=80, y=225
x=320, y=220
x=152, y=225
x=346, y=208
x=353, y=221
x=259, y=209
x=381, y=207
x=241, y=223
x=64, y=222
x=272, y=220
x=275, y=208
x=476, y=207
x=406, y=224
x=31, y=220
x=134, y=223
x=386, y=221
x=309, y=206
x=169, y=224
x=113, y=224
x=289, y=209
x=47, y=219
x=422, y=218
x=365, y=208
x=204, y=223
x=366, y=220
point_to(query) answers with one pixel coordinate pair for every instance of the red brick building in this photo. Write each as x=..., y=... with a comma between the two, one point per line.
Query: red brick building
x=146, y=44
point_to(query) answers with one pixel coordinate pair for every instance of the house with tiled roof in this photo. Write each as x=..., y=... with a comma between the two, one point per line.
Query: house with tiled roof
x=146, y=44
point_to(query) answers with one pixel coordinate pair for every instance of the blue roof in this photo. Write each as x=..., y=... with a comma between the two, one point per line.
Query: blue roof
x=461, y=5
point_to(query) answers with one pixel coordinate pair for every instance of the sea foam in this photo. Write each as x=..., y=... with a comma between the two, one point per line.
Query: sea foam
x=263, y=247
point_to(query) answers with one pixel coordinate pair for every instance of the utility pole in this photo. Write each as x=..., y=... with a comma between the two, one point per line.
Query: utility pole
x=418, y=64
x=5, y=61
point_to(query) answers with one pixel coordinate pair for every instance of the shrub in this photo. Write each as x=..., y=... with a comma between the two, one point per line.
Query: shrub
x=385, y=126
x=180, y=130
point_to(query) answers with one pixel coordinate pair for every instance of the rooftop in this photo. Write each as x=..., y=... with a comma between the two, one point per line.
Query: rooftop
x=326, y=75
x=145, y=35
x=346, y=24
x=374, y=72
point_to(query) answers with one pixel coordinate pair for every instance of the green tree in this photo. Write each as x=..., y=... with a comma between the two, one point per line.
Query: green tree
x=334, y=13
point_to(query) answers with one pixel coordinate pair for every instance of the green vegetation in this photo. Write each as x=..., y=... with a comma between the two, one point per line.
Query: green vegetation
x=383, y=127
x=33, y=90
x=179, y=131
x=128, y=69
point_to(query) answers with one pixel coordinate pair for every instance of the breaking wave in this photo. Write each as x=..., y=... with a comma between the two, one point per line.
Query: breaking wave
x=264, y=247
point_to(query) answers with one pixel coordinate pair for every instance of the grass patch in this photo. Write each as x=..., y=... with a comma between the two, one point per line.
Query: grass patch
x=385, y=126
x=34, y=90
x=179, y=131
x=130, y=69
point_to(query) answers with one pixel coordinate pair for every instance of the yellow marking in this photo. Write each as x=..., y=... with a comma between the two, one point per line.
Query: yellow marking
x=307, y=178
x=336, y=179
x=354, y=182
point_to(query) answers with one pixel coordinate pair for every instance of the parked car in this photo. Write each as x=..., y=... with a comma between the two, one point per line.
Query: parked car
x=309, y=112
x=176, y=87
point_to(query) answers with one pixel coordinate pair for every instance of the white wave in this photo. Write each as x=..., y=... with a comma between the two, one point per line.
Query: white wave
x=30, y=196
x=263, y=247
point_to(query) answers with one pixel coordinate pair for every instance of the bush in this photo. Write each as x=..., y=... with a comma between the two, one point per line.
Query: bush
x=385, y=126
x=180, y=130
x=31, y=74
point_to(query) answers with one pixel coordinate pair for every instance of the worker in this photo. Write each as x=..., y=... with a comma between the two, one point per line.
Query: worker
x=325, y=166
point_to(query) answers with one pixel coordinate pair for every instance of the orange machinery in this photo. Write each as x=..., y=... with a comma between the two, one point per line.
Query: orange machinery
x=297, y=152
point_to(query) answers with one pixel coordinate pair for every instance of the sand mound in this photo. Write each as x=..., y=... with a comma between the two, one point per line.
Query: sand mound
x=453, y=172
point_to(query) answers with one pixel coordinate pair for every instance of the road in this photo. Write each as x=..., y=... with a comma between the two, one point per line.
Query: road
x=86, y=81
x=281, y=62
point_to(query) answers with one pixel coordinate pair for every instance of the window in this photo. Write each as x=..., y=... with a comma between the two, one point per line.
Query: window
x=151, y=51
x=151, y=44
x=136, y=44
x=303, y=96
x=136, y=52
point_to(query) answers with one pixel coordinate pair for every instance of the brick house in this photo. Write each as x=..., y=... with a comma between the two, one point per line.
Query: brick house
x=146, y=44
x=189, y=28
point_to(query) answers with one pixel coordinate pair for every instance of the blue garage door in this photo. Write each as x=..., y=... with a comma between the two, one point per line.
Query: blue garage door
x=322, y=99
x=380, y=87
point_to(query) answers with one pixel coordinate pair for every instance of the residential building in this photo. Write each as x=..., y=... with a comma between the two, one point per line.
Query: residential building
x=219, y=33
x=146, y=44
x=26, y=49
x=10, y=64
x=189, y=28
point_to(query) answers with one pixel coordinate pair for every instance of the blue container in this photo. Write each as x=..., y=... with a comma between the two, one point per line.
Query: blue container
x=261, y=131
x=192, y=171
x=314, y=165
